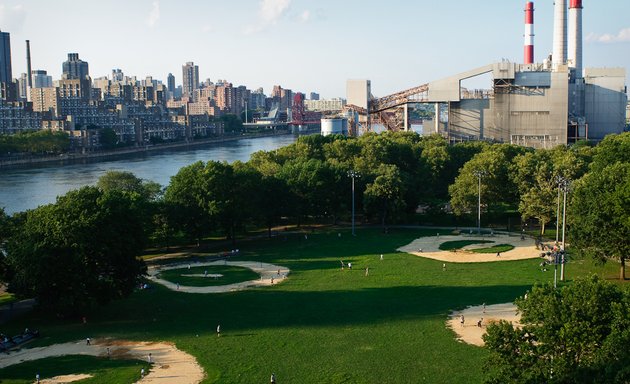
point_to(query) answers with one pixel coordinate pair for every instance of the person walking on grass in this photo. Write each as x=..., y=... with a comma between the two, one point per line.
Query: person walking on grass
x=219, y=330
x=273, y=379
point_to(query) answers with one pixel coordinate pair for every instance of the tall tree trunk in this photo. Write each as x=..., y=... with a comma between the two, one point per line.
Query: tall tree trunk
x=542, y=228
x=622, y=272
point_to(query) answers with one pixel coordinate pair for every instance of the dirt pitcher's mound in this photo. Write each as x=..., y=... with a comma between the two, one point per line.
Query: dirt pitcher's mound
x=169, y=364
x=477, y=318
x=429, y=247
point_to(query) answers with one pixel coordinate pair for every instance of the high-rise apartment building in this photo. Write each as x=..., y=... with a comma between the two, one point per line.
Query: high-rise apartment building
x=75, y=68
x=41, y=79
x=6, y=74
x=190, y=78
x=170, y=82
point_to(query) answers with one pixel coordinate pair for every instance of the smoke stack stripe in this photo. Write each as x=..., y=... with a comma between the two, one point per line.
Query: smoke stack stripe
x=529, y=33
x=575, y=36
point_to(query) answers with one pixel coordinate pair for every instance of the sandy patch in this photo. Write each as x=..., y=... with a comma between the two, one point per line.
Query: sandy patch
x=269, y=274
x=470, y=332
x=210, y=275
x=169, y=364
x=65, y=379
x=523, y=249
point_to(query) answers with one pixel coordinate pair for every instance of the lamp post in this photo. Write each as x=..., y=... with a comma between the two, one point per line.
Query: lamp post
x=565, y=186
x=353, y=174
x=559, y=180
x=479, y=173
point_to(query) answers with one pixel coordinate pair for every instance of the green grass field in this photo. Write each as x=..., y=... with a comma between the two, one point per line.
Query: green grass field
x=323, y=324
x=494, y=249
x=230, y=275
x=103, y=371
x=459, y=244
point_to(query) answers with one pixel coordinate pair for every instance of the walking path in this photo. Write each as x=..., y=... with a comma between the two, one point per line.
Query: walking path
x=470, y=332
x=169, y=364
x=523, y=249
x=269, y=274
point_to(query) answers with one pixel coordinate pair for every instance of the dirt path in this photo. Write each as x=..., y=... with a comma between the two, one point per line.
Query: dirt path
x=169, y=364
x=470, y=332
x=269, y=274
x=523, y=249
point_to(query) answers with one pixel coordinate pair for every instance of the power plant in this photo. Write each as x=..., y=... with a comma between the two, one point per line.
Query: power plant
x=541, y=105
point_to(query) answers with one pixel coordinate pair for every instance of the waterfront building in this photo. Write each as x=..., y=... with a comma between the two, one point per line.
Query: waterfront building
x=46, y=100
x=335, y=104
x=314, y=96
x=190, y=78
x=15, y=118
x=257, y=99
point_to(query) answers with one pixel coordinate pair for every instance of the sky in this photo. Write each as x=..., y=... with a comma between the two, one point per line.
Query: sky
x=303, y=45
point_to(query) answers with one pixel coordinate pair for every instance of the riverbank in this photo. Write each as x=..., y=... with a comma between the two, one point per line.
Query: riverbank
x=74, y=158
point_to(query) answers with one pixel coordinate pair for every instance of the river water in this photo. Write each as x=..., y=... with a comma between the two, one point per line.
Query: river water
x=27, y=188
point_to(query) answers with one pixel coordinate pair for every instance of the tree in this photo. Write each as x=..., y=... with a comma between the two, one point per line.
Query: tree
x=577, y=334
x=77, y=252
x=385, y=195
x=497, y=188
x=599, y=214
x=108, y=138
x=127, y=181
x=187, y=196
x=536, y=173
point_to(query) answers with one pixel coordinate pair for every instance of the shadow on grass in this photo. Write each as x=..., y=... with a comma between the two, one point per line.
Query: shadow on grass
x=160, y=314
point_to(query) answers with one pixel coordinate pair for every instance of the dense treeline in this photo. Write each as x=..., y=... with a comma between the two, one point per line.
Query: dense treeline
x=34, y=142
x=309, y=181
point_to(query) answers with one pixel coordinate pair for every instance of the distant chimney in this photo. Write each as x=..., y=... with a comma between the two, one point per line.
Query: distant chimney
x=29, y=81
x=575, y=37
x=529, y=33
x=559, y=33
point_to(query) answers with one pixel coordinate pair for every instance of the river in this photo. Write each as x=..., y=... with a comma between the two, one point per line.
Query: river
x=29, y=187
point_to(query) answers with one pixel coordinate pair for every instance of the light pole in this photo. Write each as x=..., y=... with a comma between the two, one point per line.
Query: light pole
x=353, y=174
x=565, y=185
x=479, y=173
x=559, y=180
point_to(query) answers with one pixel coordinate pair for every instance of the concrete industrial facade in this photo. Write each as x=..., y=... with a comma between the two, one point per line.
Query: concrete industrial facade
x=557, y=102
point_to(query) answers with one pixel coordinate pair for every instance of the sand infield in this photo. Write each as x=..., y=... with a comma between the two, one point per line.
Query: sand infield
x=169, y=364
x=523, y=249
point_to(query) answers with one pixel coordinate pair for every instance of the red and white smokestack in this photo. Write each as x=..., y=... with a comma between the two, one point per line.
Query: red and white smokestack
x=575, y=36
x=529, y=32
x=559, y=33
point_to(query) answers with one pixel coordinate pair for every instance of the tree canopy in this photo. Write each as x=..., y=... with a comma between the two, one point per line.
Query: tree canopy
x=577, y=334
x=77, y=252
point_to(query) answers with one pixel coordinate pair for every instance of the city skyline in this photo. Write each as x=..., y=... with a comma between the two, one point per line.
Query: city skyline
x=299, y=44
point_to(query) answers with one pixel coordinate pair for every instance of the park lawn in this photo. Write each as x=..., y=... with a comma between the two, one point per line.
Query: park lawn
x=103, y=371
x=323, y=324
x=459, y=244
x=494, y=249
x=230, y=275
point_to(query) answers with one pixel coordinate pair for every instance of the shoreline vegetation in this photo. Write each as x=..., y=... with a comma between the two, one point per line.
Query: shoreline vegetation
x=73, y=158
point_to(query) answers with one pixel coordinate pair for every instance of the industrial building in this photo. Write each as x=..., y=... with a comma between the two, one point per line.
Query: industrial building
x=541, y=105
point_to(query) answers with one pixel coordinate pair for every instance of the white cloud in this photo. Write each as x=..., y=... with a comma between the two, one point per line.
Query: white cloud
x=623, y=36
x=154, y=15
x=269, y=12
x=12, y=18
x=305, y=16
x=207, y=28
